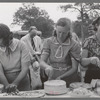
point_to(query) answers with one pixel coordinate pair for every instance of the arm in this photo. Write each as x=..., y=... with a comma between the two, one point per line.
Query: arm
x=91, y=60
x=84, y=60
x=22, y=74
x=44, y=58
x=43, y=61
x=48, y=69
x=3, y=79
x=45, y=54
x=25, y=63
x=75, y=57
x=72, y=70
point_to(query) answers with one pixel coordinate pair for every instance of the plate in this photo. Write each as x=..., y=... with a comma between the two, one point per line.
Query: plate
x=78, y=95
x=26, y=94
x=80, y=84
x=80, y=92
x=76, y=85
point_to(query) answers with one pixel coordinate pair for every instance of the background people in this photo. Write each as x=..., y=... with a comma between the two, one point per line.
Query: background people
x=33, y=43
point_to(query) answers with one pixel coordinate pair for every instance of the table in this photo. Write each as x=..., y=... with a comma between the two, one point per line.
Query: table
x=66, y=95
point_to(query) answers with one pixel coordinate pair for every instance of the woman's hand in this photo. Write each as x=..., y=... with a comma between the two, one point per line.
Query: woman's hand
x=11, y=88
x=49, y=72
x=95, y=61
x=58, y=78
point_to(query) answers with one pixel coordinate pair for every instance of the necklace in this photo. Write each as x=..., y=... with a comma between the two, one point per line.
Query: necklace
x=59, y=52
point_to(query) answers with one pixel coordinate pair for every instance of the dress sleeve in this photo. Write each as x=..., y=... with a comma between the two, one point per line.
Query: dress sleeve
x=46, y=47
x=25, y=56
x=85, y=44
x=76, y=51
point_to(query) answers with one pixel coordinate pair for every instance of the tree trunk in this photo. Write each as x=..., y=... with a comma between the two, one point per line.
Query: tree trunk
x=82, y=34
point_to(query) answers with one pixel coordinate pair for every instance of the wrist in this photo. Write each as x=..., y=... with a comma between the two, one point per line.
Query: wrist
x=61, y=77
x=15, y=83
x=90, y=60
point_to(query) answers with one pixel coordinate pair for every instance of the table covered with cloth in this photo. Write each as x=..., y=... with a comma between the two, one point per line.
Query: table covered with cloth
x=41, y=94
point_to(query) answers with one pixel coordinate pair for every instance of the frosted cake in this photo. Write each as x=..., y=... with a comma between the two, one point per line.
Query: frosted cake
x=55, y=87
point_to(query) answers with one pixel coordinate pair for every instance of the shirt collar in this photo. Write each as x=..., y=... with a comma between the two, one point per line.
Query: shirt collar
x=12, y=46
x=67, y=42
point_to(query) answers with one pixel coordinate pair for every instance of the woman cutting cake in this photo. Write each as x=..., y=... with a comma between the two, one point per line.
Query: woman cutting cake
x=60, y=56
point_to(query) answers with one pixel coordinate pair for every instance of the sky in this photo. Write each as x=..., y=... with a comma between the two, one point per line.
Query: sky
x=7, y=11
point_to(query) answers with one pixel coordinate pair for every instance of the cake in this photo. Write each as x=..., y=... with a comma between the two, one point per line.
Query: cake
x=55, y=87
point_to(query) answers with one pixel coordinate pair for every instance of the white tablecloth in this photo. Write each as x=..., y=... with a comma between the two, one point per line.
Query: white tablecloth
x=66, y=95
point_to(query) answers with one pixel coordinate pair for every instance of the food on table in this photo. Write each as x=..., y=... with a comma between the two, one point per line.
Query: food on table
x=80, y=84
x=80, y=92
x=98, y=83
x=93, y=83
x=97, y=90
x=55, y=87
x=35, y=93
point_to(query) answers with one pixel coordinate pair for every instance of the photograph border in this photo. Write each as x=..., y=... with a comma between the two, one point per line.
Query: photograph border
x=51, y=1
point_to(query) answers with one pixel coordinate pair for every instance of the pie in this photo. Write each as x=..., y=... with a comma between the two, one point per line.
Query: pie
x=80, y=92
x=33, y=94
x=80, y=84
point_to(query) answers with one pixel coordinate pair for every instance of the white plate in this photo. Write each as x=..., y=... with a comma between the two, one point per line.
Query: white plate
x=78, y=95
x=25, y=94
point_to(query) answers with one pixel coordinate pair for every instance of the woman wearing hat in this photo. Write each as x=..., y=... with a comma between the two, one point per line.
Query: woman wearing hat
x=91, y=54
x=14, y=62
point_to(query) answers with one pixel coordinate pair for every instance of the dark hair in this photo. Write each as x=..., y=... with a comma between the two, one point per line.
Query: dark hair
x=63, y=22
x=5, y=34
x=96, y=22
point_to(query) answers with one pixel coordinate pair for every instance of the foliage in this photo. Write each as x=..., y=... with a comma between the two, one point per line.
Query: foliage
x=30, y=15
x=87, y=13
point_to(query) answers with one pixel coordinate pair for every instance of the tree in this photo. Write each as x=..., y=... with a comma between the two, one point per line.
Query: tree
x=86, y=11
x=29, y=15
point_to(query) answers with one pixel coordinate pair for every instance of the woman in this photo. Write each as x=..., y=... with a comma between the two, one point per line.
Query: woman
x=91, y=54
x=60, y=54
x=14, y=62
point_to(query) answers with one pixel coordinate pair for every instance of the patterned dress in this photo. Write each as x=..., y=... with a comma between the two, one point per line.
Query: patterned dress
x=60, y=56
x=93, y=46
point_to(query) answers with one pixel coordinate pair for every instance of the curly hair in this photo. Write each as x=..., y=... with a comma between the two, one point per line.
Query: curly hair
x=5, y=34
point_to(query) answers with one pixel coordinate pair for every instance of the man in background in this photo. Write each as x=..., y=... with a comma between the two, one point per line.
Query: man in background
x=33, y=43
